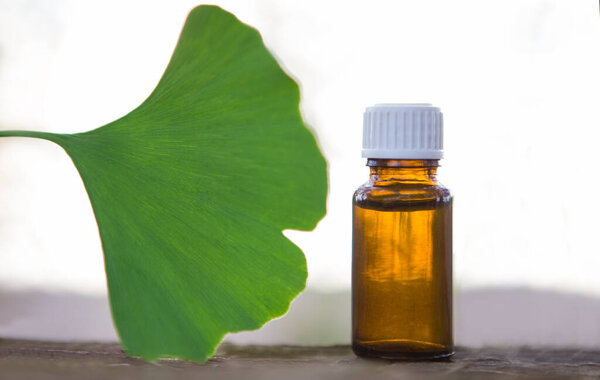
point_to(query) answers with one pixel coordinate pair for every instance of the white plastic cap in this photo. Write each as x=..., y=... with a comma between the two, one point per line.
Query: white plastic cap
x=403, y=131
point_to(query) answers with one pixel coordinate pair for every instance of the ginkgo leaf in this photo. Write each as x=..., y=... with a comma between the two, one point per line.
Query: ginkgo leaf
x=192, y=189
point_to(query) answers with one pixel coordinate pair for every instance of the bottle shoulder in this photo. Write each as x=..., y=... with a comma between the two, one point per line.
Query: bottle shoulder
x=399, y=195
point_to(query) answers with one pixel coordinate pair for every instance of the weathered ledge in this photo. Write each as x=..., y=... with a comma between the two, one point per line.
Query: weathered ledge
x=21, y=359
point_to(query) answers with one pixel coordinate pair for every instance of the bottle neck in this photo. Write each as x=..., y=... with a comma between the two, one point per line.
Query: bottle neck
x=403, y=170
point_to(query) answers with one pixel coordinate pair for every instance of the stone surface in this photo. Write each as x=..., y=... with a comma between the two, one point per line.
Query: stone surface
x=21, y=359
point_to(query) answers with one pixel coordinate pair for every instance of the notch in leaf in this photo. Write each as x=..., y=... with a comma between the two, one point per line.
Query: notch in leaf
x=192, y=189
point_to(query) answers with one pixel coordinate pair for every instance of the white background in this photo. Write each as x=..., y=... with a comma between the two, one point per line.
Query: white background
x=518, y=82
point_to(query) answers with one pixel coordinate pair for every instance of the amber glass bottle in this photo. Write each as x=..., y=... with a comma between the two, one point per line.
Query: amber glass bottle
x=402, y=239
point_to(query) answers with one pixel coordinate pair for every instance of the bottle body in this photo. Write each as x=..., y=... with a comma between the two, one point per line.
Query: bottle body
x=402, y=263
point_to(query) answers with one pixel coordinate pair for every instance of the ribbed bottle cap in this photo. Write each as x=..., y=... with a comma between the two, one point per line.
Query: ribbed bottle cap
x=410, y=131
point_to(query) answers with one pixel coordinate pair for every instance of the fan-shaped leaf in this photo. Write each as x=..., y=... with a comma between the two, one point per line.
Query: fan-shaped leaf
x=191, y=192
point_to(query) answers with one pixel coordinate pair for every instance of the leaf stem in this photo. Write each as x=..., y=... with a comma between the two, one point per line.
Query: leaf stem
x=54, y=137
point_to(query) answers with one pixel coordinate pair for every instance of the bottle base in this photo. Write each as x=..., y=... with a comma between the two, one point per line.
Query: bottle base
x=402, y=349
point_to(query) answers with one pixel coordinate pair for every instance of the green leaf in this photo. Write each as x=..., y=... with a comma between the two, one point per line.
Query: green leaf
x=191, y=192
